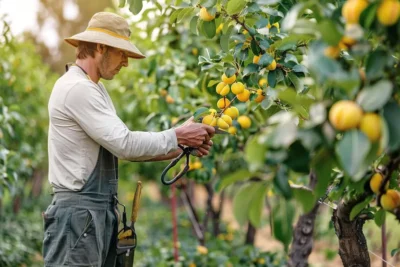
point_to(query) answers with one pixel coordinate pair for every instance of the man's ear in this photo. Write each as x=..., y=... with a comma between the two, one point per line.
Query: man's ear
x=101, y=48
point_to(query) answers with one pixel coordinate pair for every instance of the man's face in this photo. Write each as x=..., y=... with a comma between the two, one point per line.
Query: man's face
x=112, y=62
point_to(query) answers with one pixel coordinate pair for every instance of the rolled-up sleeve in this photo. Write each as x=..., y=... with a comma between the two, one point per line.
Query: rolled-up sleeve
x=88, y=107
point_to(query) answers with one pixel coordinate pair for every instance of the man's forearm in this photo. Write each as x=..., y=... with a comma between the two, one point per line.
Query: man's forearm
x=170, y=155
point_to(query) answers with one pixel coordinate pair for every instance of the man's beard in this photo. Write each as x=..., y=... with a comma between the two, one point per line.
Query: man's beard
x=103, y=67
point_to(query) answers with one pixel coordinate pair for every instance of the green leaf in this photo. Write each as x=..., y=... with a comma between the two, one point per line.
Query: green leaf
x=264, y=44
x=185, y=13
x=209, y=28
x=305, y=198
x=261, y=23
x=241, y=202
x=174, y=15
x=208, y=3
x=266, y=103
x=229, y=72
x=200, y=112
x=193, y=25
x=298, y=84
x=272, y=78
x=380, y=216
x=254, y=47
x=224, y=42
x=121, y=3
x=249, y=69
x=265, y=60
x=375, y=64
x=352, y=150
x=329, y=32
x=240, y=175
x=298, y=158
x=281, y=181
x=283, y=135
x=394, y=252
x=254, y=154
x=283, y=214
x=391, y=113
x=213, y=82
x=300, y=68
x=367, y=17
x=376, y=96
x=257, y=204
x=235, y=6
x=135, y=6
x=359, y=207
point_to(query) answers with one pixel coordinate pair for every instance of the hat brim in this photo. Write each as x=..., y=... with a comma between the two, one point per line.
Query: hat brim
x=104, y=38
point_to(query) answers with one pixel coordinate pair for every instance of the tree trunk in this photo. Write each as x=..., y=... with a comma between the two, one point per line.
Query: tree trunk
x=353, y=248
x=302, y=243
x=251, y=234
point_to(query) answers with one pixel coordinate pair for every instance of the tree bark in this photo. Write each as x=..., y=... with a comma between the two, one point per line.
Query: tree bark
x=302, y=243
x=353, y=248
x=251, y=234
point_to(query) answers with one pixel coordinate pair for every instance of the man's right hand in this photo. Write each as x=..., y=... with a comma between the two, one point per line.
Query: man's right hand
x=194, y=134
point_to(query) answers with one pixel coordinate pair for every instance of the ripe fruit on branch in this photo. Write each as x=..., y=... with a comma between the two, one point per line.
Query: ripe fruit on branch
x=388, y=12
x=272, y=66
x=371, y=125
x=262, y=82
x=276, y=24
x=232, y=112
x=244, y=121
x=204, y=15
x=390, y=200
x=227, y=119
x=237, y=88
x=332, y=52
x=210, y=120
x=345, y=115
x=243, y=97
x=221, y=123
x=260, y=96
x=228, y=80
x=223, y=103
x=223, y=89
x=375, y=183
x=352, y=9
x=256, y=59
x=169, y=99
x=212, y=111
x=232, y=130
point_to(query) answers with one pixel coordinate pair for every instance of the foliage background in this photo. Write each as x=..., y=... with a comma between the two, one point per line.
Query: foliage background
x=27, y=72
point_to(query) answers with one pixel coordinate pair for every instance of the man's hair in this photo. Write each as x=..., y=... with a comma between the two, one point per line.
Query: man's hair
x=85, y=49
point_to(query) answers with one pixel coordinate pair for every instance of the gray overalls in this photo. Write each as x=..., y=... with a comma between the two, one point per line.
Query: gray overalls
x=81, y=227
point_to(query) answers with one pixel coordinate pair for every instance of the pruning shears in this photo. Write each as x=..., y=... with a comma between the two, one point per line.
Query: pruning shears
x=186, y=151
x=127, y=239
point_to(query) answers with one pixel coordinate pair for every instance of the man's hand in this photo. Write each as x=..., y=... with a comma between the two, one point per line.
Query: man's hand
x=195, y=134
x=203, y=150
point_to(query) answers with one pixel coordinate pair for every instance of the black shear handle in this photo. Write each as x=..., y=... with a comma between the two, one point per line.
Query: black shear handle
x=186, y=151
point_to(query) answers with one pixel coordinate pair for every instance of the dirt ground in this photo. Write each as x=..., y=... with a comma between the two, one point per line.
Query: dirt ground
x=264, y=239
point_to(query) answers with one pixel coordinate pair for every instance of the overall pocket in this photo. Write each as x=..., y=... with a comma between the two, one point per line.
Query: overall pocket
x=49, y=227
x=83, y=242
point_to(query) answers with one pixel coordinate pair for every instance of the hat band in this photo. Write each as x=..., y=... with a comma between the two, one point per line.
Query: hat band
x=108, y=32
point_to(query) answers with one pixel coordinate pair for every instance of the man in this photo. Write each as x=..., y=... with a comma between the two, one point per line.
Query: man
x=86, y=138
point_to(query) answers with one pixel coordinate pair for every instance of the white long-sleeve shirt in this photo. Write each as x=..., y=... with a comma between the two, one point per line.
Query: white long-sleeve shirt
x=83, y=118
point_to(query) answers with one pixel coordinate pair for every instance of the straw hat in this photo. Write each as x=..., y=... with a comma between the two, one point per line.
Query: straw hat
x=109, y=29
